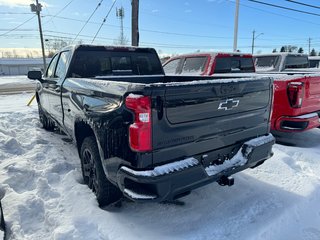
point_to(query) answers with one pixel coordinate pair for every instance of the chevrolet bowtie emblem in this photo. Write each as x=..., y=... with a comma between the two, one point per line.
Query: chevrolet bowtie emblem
x=228, y=104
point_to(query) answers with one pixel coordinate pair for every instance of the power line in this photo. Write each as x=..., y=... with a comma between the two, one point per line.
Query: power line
x=53, y=16
x=286, y=8
x=303, y=4
x=14, y=13
x=99, y=4
x=75, y=19
x=156, y=31
x=104, y=20
x=185, y=34
x=276, y=14
x=20, y=30
x=175, y=19
x=157, y=44
x=13, y=29
x=153, y=31
x=167, y=45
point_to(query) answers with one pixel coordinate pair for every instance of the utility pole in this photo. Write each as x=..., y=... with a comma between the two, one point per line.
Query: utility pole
x=309, y=40
x=37, y=9
x=254, y=37
x=236, y=21
x=120, y=15
x=252, y=49
x=134, y=23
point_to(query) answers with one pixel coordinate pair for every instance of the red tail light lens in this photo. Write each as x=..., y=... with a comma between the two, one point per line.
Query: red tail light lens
x=295, y=94
x=140, y=130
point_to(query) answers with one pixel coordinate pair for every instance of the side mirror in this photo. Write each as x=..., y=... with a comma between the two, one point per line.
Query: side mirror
x=35, y=75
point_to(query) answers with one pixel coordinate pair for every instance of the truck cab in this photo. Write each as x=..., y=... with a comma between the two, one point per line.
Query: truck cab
x=209, y=63
x=281, y=62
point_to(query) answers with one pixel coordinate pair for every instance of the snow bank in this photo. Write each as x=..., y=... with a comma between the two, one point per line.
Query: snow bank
x=46, y=198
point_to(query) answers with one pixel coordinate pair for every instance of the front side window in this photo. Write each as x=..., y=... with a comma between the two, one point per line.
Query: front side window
x=62, y=65
x=52, y=67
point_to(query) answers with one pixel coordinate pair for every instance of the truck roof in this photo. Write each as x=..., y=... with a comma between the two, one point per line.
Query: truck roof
x=280, y=54
x=314, y=57
x=107, y=47
x=213, y=54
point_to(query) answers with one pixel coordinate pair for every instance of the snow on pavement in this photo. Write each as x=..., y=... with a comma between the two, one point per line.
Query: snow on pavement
x=15, y=80
x=45, y=197
x=16, y=84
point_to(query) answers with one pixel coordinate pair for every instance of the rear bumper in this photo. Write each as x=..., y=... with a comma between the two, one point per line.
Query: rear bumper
x=297, y=123
x=169, y=181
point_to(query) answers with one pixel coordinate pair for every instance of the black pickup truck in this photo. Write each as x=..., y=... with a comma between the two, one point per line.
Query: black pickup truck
x=148, y=136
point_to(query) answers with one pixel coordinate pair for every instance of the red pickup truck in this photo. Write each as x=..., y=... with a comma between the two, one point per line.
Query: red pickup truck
x=297, y=90
x=297, y=94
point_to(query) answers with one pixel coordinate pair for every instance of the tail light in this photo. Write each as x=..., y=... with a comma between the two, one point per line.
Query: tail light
x=140, y=130
x=295, y=94
x=272, y=104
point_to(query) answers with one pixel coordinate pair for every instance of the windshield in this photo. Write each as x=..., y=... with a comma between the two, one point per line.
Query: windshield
x=106, y=63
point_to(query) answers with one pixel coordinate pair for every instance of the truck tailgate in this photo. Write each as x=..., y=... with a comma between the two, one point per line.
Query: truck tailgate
x=311, y=101
x=197, y=117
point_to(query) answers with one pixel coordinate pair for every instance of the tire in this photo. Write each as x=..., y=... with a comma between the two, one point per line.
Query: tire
x=46, y=122
x=94, y=176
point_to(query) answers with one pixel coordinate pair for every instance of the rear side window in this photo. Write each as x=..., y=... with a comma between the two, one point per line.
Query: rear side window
x=106, y=63
x=314, y=63
x=194, y=65
x=266, y=62
x=172, y=66
x=233, y=64
x=293, y=62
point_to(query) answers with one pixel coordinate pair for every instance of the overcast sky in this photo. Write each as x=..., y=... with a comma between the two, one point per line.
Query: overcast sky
x=172, y=26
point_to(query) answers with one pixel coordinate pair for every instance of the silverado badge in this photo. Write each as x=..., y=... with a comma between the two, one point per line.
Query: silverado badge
x=228, y=104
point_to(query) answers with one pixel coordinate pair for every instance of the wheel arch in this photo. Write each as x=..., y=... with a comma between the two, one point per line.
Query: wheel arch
x=81, y=131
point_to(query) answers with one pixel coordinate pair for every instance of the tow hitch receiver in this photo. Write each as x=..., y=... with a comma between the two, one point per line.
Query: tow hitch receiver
x=226, y=181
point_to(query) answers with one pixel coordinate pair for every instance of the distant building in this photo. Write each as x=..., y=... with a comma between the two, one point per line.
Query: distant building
x=20, y=66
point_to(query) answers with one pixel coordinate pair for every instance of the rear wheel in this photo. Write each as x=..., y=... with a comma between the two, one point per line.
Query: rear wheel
x=46, y=122
x=94, y=175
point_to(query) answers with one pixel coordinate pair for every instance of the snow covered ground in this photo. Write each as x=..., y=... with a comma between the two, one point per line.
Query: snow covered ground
x=45, y=197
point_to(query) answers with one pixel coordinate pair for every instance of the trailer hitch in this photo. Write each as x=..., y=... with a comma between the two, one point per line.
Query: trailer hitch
x=226, y=181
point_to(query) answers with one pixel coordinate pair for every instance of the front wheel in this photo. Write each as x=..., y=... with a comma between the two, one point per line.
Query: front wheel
x=94, y=175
